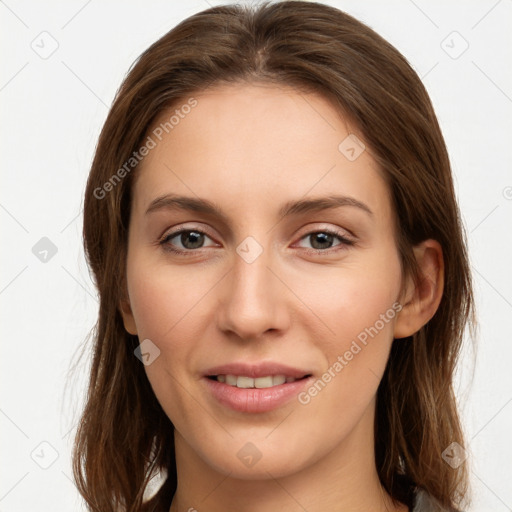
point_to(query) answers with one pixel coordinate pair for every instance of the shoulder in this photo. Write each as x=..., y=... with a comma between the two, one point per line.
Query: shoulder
x=424, y=502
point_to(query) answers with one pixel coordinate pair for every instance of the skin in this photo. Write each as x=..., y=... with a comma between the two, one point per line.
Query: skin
x=250, y=148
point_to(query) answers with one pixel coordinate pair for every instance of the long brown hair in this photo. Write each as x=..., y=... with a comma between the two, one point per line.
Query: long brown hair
x=124, y=437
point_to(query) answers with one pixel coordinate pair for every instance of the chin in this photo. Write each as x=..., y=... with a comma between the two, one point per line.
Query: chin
x=248, y=458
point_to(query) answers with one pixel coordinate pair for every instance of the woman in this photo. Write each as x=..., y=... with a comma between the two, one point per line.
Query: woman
x=272, y=227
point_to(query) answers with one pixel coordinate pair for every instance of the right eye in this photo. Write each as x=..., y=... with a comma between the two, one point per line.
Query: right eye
x=190, y=240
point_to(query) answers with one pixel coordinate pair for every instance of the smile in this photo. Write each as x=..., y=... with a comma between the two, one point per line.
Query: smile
x=254, y=395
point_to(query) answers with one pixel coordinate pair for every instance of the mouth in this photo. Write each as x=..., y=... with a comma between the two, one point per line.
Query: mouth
x=254, y=387
x=246, y=394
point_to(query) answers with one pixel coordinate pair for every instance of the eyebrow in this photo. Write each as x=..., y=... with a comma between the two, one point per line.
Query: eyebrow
x=294, y=207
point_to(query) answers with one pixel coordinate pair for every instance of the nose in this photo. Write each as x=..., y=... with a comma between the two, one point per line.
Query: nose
x=253, y=300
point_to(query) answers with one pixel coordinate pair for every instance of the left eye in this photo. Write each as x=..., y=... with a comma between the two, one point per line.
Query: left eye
x=321, y=240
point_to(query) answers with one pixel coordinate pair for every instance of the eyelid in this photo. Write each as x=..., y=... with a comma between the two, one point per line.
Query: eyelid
x=328, y=228
x=183, y=227
x=332, y=230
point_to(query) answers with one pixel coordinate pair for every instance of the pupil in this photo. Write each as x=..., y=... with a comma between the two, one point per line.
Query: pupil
x=324, y=240
x=196, y=238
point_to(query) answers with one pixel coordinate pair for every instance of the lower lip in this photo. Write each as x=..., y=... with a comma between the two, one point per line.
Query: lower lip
x=254, y=400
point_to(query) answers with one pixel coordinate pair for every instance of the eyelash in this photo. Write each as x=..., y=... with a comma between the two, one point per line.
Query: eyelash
x=189, y=252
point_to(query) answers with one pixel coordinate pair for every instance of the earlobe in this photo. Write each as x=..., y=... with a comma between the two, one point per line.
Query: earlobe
x=422, y=299
x=128, y=318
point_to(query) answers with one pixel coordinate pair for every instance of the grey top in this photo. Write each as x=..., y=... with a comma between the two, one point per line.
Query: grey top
x=426, y=503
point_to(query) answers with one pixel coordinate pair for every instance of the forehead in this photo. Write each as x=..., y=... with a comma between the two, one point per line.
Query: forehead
x=249, y=146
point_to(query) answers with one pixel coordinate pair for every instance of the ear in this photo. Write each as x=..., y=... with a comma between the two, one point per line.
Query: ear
x=421, y=300
x=127, y=314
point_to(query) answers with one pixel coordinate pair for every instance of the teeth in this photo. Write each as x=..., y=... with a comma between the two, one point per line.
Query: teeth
x=231, y=380
x=278, y=379
x=244, y=382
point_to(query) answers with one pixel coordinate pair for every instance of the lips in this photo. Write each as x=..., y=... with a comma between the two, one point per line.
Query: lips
x=255, y=388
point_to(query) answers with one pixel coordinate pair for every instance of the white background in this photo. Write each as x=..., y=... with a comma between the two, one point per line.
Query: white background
x=52, y=110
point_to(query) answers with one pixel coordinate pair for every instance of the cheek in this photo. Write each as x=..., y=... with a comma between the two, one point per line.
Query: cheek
x=160, y=301
x=162, y=297
x=169, y=305
x=166, y=308
x=358, y=306
x=351, y=297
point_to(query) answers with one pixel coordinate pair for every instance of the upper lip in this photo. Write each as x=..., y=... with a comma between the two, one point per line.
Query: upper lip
x=255, y=370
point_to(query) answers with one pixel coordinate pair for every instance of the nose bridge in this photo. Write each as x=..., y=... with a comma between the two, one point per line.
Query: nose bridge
x=252, y=302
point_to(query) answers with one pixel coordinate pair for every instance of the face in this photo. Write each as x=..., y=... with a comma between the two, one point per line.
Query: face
x=256, y=280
